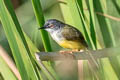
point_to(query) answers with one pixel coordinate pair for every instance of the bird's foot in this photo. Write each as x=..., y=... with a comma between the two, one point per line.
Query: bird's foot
x=81, y=50
x=75, y=50
x=66, y=53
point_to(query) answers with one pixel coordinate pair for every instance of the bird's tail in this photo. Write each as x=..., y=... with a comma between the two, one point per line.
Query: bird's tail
x=93, y=64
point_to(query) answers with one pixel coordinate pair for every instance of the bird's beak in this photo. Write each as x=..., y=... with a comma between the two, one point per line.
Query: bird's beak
x=41, y=28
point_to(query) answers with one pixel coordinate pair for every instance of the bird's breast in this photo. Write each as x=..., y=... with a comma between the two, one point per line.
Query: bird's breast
x=71, y=44
x=57, y=36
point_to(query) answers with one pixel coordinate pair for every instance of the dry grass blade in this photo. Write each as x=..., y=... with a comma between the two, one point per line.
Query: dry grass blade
x=9, y=62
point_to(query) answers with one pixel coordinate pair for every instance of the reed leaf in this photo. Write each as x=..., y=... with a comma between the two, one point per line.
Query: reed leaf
x=108, y=38
x=40, y=19
x=92, y=22
x=16, y=41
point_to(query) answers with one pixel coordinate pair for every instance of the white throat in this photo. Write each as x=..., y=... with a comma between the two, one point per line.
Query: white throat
x=57, y=36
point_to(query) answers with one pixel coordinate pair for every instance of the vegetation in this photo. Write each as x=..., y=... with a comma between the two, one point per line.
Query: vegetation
x=98, y=20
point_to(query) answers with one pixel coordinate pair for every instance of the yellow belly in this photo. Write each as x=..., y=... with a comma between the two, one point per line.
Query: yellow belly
x=71, y=44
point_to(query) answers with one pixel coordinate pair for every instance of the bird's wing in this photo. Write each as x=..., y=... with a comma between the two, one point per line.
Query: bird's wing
x=71, y=33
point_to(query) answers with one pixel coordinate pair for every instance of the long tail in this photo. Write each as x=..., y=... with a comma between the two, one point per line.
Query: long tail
x=93, y=66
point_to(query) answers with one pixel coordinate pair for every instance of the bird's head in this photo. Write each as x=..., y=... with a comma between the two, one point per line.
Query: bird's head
x=52, y=25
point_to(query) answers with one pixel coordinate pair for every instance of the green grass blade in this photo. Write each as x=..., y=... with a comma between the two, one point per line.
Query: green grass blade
x=1, y=77
x=16, y=41
x=88, y=75
x=3, y=12
x=76, y=5
x=75, y=14
x=40, y=68
x=84, y=24
x=33, y=49
x=88, y=37
x=77, y=19
x=109, y=72
x=116, y=4
x=105, y=28
x=92, y=22
x=40, y=19
x=108, y=37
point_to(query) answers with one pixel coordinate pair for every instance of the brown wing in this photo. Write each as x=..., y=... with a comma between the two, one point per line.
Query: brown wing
x=72, y=34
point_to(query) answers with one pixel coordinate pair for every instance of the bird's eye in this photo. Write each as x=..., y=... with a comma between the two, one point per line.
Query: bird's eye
x=51, y=25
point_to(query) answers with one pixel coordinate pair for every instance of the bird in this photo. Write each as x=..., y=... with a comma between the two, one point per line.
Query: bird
x=65, y=35
x=68, y=37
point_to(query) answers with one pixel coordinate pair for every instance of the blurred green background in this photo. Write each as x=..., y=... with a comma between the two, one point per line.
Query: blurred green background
x=60, y=9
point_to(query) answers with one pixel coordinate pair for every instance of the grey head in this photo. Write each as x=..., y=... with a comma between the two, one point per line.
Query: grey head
x=52, y=25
